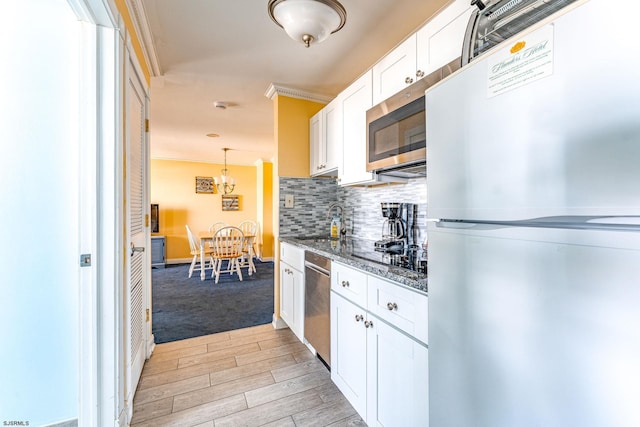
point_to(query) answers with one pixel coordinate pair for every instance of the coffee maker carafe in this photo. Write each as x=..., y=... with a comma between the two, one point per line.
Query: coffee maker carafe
x=393, y=228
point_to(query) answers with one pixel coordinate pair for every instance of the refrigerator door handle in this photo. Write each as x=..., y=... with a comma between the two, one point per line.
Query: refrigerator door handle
x=608, y=223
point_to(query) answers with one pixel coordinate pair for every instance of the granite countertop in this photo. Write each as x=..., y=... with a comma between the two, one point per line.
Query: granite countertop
x=344, y=252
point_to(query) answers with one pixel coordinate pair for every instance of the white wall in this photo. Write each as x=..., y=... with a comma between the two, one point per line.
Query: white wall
x=39, y=272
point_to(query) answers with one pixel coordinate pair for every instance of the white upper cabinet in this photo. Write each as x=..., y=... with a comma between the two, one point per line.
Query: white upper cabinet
x=315, y=148
x=332, y=115
x=440, y=40
x=356, y=100
x=326, y=140
x=395, y=71
x=437, y=43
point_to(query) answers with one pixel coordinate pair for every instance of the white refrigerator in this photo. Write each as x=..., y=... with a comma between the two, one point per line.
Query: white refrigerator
x=533, y=199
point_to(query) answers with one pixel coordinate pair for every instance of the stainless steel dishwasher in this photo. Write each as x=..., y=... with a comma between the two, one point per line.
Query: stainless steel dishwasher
x=317, y=281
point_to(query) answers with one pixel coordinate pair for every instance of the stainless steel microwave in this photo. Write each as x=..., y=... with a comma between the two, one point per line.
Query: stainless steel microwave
x=396, y=128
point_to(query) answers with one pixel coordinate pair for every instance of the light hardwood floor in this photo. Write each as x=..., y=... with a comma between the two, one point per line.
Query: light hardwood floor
x=248, y=377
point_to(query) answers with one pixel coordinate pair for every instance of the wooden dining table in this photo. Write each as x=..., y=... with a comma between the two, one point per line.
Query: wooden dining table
x=207, y=237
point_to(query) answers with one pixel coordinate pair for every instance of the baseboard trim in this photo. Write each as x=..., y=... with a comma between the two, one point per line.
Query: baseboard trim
x=278, y=323
x=151, y=346
x=179, y=261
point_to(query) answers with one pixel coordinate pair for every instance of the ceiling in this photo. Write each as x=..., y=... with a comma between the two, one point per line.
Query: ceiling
x=203, y=51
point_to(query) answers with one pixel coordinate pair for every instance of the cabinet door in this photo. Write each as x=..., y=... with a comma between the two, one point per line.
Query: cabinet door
x=315, y=149
x=440, y=40
x=287, y=295
x=349, y=351
x=332, y=116
x=157, y=251
x=397, y=378
x=356, y=100
x=292, y=298
x=395, y=71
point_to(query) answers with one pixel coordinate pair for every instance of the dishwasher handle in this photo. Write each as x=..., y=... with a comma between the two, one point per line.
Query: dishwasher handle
x=317, y=269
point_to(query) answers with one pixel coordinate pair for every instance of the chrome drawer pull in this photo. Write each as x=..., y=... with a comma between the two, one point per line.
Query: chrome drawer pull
x=359, y=317
x=345, y=283
x=368, y=324
x=392, y=306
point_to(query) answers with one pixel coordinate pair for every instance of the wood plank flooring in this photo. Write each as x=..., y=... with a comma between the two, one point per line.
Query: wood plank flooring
x=256, y=376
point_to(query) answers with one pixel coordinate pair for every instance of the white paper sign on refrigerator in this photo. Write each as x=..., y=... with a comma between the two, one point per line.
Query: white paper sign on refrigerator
x=523, y=61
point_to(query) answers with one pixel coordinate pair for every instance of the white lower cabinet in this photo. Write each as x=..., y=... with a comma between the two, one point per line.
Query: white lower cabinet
x=382, y=370
x=397, y=378
x=349, y=351
x=292, y=288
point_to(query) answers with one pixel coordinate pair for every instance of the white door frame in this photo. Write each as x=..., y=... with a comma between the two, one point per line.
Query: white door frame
x=99, y=297
x=105, y=55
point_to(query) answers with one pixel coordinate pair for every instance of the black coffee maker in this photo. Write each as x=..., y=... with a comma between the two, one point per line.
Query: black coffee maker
x=398, y=228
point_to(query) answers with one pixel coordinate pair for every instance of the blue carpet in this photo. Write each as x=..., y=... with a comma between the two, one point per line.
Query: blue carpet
x=187, y=308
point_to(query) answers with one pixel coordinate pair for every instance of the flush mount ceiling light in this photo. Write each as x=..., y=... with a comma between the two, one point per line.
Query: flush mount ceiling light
x=308, y=21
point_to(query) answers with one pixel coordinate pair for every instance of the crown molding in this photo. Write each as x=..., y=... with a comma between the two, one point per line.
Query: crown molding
x=277, y=89
x=141, y=25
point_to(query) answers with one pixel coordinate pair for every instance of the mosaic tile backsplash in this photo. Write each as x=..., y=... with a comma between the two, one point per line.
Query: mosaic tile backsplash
x=363, y=217
x=311, y=198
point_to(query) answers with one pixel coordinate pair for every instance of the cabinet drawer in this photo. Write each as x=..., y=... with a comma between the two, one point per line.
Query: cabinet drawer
x=292, y=255
x=401, y=307
x=350, y=283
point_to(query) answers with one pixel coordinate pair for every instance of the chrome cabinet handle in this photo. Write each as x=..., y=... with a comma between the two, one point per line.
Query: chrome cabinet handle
x=368, y=324
x=345, y=283
x=419, y=73
x=392, y=306
x=359, y=317
x=408, y=80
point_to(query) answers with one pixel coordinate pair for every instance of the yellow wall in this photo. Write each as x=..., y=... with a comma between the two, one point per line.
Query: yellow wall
x=291, y=118
x=173, y=188
x=264, y=184
x=291, y=133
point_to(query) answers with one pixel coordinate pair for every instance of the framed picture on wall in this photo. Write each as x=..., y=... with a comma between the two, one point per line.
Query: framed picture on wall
x=230, y=203
x=204, y=184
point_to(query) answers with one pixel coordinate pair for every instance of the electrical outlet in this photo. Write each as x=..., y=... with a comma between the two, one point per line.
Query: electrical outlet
x=288, y=200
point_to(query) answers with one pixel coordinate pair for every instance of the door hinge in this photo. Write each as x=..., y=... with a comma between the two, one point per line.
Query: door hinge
x=147, y=314
x=146, y=125
x=146, y=220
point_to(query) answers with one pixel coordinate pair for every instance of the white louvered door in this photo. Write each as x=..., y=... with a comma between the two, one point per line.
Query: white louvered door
x=137, y=280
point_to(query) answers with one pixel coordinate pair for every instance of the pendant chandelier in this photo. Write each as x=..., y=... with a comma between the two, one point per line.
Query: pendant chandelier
x=308, y=21
x=225, y=183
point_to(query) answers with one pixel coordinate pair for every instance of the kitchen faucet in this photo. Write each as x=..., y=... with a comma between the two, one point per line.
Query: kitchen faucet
x=343, y=227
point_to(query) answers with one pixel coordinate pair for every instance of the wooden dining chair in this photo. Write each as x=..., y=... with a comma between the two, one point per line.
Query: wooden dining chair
x=227, y=245
x=249, y=228
x=216, y=226
x=194, y=246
